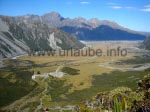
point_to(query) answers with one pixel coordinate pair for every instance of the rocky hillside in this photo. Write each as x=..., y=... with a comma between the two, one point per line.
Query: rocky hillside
x=93, y=29
x=18, y=36
x=146, y=43
x=33, y=32
x=9, y=45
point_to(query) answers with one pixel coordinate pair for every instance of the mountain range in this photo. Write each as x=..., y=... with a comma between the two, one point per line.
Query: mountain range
x=52, y=31
x=18, y=37
x=83, y=29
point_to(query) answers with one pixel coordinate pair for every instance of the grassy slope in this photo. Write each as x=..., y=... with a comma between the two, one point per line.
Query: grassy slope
x=14, y=85
x=107, y=82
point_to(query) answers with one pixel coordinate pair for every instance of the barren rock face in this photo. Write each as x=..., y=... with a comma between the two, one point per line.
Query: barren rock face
x=17, y=36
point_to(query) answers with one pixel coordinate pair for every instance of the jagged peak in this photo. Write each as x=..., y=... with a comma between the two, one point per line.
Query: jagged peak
x=53, y=14
x=94, y=20
x=80, y=19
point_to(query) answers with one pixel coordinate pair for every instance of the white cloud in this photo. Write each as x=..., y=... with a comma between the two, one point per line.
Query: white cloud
x=85, y=3
x=146, y=9
x=147, y=6
x=116, y=7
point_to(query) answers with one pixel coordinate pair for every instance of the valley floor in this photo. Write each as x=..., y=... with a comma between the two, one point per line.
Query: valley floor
x=82, y=78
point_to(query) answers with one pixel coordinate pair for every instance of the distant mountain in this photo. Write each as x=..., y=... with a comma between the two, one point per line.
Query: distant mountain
x=145, y=33
x=103, y=32
x=146, y=43
x=19, y=35
x=92, y=29
x=33, y=32
x=83, y=29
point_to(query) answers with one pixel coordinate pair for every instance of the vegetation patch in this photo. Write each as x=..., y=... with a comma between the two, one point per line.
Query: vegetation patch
x=70, y=71
x=122, y=99
x=57, y=88
x=107, y=82
x=136, y=60
x=14, y=85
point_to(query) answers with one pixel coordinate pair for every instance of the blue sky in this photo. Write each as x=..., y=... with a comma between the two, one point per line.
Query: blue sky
x=133, y=14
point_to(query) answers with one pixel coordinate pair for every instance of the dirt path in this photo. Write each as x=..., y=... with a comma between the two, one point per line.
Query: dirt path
x=45, y=76
x=57, y=74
